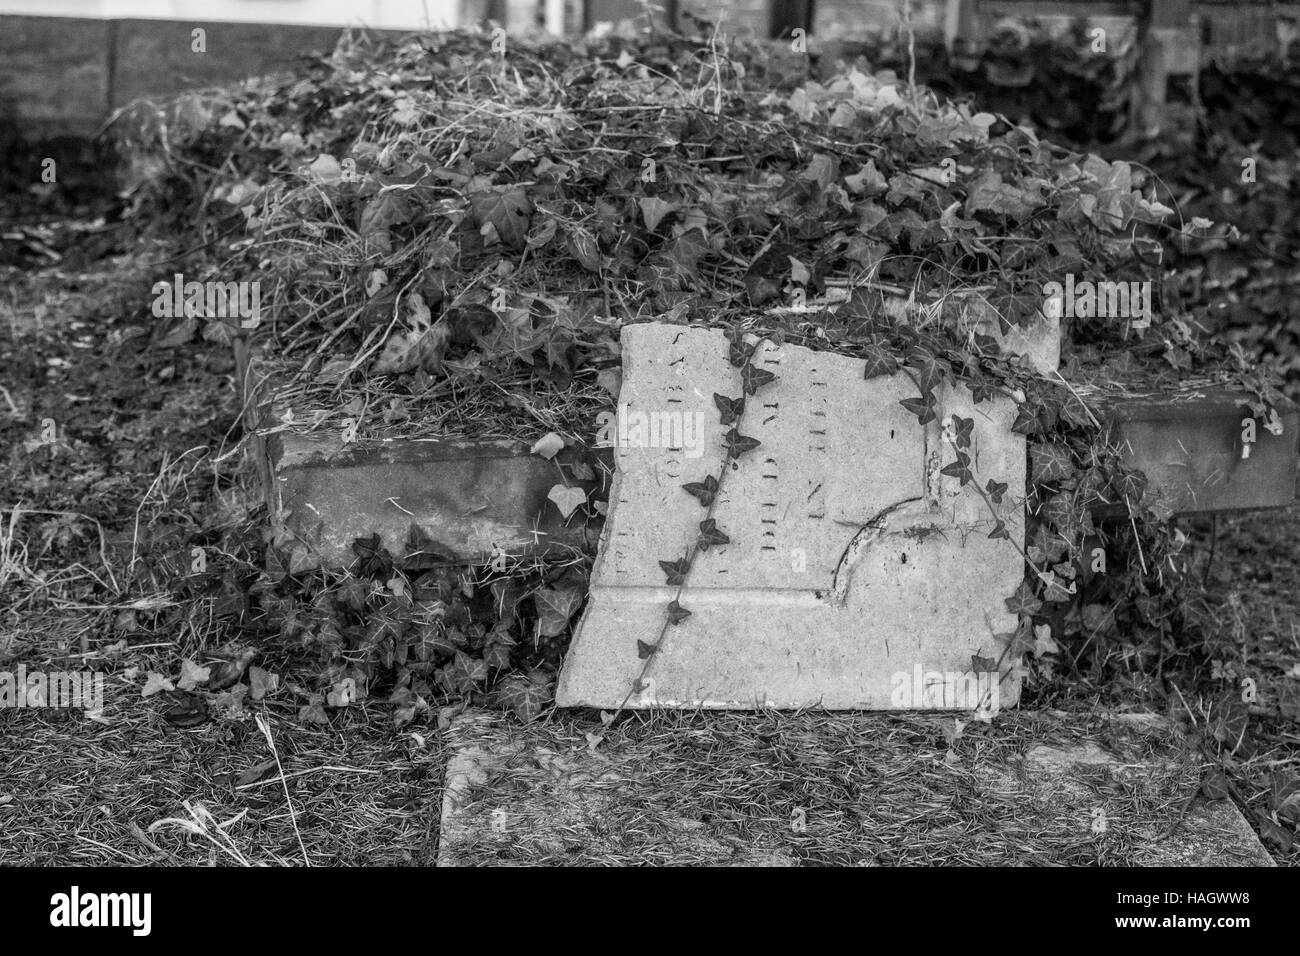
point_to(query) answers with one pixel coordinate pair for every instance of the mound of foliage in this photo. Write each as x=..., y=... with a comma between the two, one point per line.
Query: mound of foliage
x=1233, y=163
x=447, y=222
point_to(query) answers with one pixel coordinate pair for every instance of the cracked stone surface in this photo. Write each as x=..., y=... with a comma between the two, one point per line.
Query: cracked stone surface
x=857, y=577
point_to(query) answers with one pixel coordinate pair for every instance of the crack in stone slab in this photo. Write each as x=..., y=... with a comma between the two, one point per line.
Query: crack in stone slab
x=870, y=532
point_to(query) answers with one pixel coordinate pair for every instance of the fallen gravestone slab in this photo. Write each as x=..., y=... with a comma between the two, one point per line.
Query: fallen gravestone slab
x=1203, y=450
x=858, y=575
x=477, y=499
x=771, y=789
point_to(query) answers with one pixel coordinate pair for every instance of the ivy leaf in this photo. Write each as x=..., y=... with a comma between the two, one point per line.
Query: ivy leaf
x=1022, y=641
x=497, y=656
x=644, y=650
x=506, y=210
x=988, y=193
x=963, y=428
x=584, y=248
x=710, y=535
x=1215, y=784
x=921, y=407
x=1057, y=512
x=1026, y=422
x=959, y=469
x=879, y=361
x=526, y=694
x=387, y=209
x=677, y=613
x=423, y=553
x=675, y=571
x=705, y=490
x=730, y=408
x=472, y=669
x=566, y=499
x=1046, y=546
x=1075, y=412
x=738, y=353
x=982, y=392
x=755, y=378
x=653, y=210
x=554, y=608
x=996, y=489
x=1054, y=589
x=738, y=444
x=1050, y=462
x=1023, y=601
x=1000, y=530
x=373, y=559
x=930, y=371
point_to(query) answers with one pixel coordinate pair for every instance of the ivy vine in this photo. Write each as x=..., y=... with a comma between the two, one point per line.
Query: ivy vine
x=731, y=411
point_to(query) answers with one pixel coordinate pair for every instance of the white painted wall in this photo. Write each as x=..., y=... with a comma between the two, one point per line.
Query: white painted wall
x=382, y=14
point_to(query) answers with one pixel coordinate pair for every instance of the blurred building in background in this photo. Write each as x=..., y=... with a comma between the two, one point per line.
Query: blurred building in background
x=380, y=14
x=65, y=65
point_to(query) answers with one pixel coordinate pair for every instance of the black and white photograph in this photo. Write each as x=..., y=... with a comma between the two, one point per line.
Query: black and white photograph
x=853, y=434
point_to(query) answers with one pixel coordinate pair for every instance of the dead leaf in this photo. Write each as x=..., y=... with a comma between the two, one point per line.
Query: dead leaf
x=1043, y=642
x=192, y=675
x=342, y=693
x=653, y=210
x=567, y=499
x=255, y=773
x=314, y=712
x=611, y=380
x=548, y=445
x=261, y=682
x=156, y=683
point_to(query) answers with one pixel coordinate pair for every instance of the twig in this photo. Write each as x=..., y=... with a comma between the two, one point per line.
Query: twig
x=293, y=816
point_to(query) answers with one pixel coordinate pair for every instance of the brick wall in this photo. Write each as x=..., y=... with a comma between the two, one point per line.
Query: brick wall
x=54, y=72
x=61, y=75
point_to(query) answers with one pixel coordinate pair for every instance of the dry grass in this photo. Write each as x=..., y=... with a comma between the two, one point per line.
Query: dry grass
x=819, y=788
x=517, y=406
x=131, y=788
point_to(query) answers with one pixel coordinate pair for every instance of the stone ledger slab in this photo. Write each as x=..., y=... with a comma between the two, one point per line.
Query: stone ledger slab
x=1188, y=442
x=857, y=575
x=472, y=497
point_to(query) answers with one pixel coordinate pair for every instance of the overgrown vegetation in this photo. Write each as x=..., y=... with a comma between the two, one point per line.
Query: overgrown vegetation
x=453, y=234
x=448, y=238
